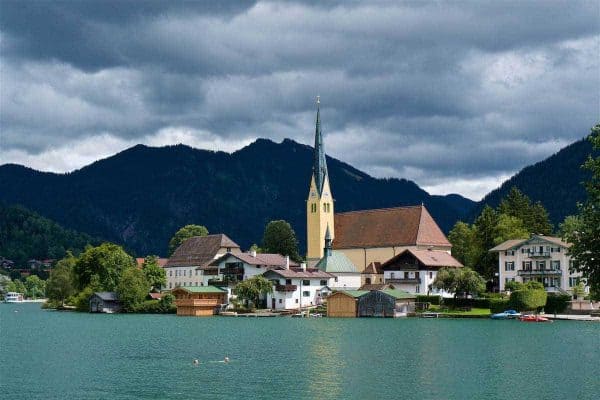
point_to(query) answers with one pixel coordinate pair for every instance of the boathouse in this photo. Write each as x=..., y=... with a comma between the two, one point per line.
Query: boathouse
x=199, y=301
x=343, y=304
x=105, y=302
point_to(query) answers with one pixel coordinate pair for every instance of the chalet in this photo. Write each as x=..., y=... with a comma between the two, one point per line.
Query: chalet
x=199, y=301
x=344, y=304
x=104, y=302
x=414, y=270
x=235, y=267
x=190, y=264
x=345, y=274
x=296, y=288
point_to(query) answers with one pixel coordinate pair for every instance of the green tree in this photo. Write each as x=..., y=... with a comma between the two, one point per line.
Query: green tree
x=534, y=216
x=486, y=224
x=445, y=280
x=280, y=238
x=185, y=233
x=35, y=286
x=528, y=299
x=155, y=275
x=569, y=226
x=464, y=244
x=509, y=227
x=251, y=289
x=468, y=282
x=585, y=249
x=512, y=286
x=60, y=283
x=107, y=261
x=16, y=286
x=132, y=288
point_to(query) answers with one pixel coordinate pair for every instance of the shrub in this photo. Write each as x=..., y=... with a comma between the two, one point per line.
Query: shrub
x=429, y=299
x=557, y=303
x=460, y=302
x=499, y=305
x=528, y=299
x=154, y=307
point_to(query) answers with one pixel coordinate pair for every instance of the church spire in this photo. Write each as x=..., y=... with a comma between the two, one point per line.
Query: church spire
x=328, y=240
x=320, y=164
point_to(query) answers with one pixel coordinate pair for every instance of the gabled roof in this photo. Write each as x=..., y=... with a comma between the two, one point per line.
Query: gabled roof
x=295, y=273
x=373, y=268
x=161, y=261
x=429, y=258
x=262, y=259
x=399, y=294
x=515, y=243
x=353, y=293
x=107, y=296
x=201, y=289
x=386, y=227
x=337, y=262
x=199, y=251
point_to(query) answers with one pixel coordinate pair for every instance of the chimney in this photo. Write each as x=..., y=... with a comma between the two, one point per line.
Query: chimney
x=287, y=262
x=253, y=253
x=303, y=266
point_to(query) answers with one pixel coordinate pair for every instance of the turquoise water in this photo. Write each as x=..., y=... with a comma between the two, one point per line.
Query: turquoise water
x=60, y=355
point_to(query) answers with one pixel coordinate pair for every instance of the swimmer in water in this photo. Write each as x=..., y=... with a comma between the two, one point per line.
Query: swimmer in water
x=196, y=362
x=226, y=360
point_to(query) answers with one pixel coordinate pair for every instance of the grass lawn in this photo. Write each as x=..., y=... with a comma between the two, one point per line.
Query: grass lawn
x=484, y=312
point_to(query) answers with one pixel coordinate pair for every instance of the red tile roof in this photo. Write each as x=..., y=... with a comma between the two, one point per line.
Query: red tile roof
x=373, y=268
x=429, y=258
x=155, y=296
x=200, y=251
x=263, y=259
x=161, y=261
x=386, y=227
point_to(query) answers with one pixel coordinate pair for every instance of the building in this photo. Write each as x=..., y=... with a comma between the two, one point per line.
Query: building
x=199, y=301
x=319, y=205
x=160, y=261
x=232, y=268
x=540, y=258
x=344, y=304
x=190, y=264
x=372, y=274
x=105, y=302
x=295, y=288
x=346, y=276
x=415, y=270
x=385, y=303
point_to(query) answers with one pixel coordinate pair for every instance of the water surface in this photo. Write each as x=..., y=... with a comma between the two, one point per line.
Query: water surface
x=64, y=355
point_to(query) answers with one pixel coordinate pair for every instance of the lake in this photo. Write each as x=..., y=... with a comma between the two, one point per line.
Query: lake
x=67, y=355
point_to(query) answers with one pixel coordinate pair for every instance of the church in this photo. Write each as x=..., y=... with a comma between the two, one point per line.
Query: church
x=367, y=237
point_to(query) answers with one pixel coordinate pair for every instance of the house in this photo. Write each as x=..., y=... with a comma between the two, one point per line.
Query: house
x=372, y=274
x=104, y=302
x=415, y=270
x=5, y=263
x=199, y=301
x=365, y=236
x=190, y=264
x=235, y=267
x=540, y=258
x=161, y=262
x=345, y=274
x=385, y=303
x=344, y=304
x=295, y=288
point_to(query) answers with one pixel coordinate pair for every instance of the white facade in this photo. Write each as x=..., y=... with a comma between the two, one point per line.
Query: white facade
x=412, y=281
x=295, y=292
x=538, y=259
x=346, y=280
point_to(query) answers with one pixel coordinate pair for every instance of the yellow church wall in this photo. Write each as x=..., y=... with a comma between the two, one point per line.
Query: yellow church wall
x=317, y=221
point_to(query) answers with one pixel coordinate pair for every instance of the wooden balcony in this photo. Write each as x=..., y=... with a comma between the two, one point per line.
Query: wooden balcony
x=285, y=288
x=538, y=254
x=197, y=302
x=404, y=280
x=530, y=272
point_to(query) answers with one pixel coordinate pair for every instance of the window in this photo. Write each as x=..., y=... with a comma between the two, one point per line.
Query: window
x=280, y=301
x=296, y=301
x=229, y=249
x=170, y=273
x=305, y=282
x=313, y=208
x=527, y=265
x=506, y=280
x=368, y=281
x=196, y=284
x=417, y=289
x=509, y=253
x=392, y=275
x=556, y=265
x=323, y=282
x=170, y=285
x=430, y=275
x=509, y=265
x=335, y=279
x=306, y=293
x=541, y=265
x=573, y=281
x=288, y=281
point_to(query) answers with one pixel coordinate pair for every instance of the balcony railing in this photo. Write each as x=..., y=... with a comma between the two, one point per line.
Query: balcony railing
x=538, y=253
x=529, y=272
x=403, y=280
x=197, y=302
x=285, y=288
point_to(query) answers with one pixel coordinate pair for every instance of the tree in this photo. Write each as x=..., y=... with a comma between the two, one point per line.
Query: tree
x=107, y=261
x=486, y=225
x=251, y=289
x=60, y=284
x=185, y=233
x=509, y=227
x=569, y=226
x=534, y=216
x=155, y=275
x=468, y=282
x=512, y=286
x=464, y=244
x=445, y=280
x=585, y=249
x=280, y=238
x=132, y=288
x=528, y=299
x=35, y=286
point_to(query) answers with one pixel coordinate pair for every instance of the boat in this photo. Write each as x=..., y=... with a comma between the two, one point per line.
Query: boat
x=13, y=297
x=533, y=318
x=507, y=314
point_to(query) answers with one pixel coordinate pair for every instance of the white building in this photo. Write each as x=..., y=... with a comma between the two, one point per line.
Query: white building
x=295, y=288
x=414, y=271
x=236, y=267
x=190, y=264
x=345, y=274
x=539, y=258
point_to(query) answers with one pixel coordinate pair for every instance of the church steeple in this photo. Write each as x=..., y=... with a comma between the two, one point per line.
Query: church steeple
x=328, y=239
x=320, y=163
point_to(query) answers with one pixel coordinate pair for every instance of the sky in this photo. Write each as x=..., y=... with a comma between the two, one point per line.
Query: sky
x=456, y=96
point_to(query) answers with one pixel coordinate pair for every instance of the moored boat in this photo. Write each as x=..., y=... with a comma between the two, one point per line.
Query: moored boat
x=13, y=297
x=507, y=314
x=533, y=318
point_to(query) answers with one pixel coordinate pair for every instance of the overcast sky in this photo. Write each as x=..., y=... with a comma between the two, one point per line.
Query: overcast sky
x=456, y=96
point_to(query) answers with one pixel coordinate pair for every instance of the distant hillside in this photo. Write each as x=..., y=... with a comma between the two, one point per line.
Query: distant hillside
x=25, y=235
x=555, y=181
x=142, y=195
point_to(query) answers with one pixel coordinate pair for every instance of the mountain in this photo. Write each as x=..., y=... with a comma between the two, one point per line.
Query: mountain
x=25, y=235
x=556, y=182
x=141, y=196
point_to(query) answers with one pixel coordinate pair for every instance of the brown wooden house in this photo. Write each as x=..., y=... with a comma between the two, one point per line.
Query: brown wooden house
x=343, y=304
x=199, y=301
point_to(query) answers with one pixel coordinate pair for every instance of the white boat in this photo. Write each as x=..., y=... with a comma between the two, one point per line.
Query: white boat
x=13, y=297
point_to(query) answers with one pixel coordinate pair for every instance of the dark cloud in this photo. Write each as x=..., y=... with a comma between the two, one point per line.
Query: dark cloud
x=430, y=91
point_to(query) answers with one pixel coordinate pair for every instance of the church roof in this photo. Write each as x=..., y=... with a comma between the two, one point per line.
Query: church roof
x=199, y=251
x=386, y=227
x=337, y=262
x=320, y=163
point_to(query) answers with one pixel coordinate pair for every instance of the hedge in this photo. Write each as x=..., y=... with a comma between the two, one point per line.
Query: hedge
x=428, y=299
x=557, y=303
x=528, y=299
x=499, y=305
x=461, y=302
